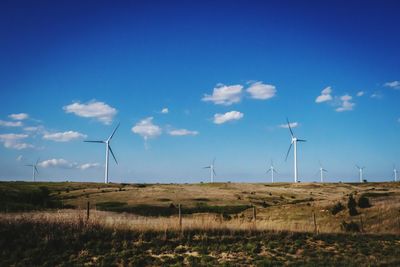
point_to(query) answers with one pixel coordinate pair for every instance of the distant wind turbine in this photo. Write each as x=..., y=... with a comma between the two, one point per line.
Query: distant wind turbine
x=360, y=170
x=272, y=170
x=395, y=173
x=294, y=143
x=34, y=169
x=212, y=171
x=321, y=172
x=108, y=149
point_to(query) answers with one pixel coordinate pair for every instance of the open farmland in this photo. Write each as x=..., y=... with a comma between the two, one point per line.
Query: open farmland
x=279, y=223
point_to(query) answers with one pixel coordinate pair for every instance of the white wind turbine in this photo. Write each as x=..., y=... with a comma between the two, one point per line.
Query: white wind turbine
x=294, y=143
x=321, y=172
x=108, y=149
x=212, y=171
x=34, y=169
x=395, y=173
x=272, y=170
x=360, y=170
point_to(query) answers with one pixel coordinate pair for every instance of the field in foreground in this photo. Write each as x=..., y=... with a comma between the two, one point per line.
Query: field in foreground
x=26, y=242
x=221, y=224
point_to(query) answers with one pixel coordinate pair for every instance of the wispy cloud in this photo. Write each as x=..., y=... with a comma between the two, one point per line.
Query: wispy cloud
x=10, y=123
x=393, y=84
x=262, y=91
x=165, y=111
x=147, y=129
x=14, y=141
x=325, y=95
x=182, y=132
x=360, y=93
x=225, y=95
x=345, y=103
x=377, y=95
x=93, y=109
x=19, y=116
x=65, y=164
x=292, y=125
x=228, y=116
x=64, y=136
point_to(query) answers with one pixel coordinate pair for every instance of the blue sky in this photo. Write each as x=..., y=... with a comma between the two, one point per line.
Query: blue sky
x=228, y=72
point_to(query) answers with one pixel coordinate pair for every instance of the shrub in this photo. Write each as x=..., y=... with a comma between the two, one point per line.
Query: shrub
x=363, y=202
x=335, y=209
x=351, y=205
x=350, y=227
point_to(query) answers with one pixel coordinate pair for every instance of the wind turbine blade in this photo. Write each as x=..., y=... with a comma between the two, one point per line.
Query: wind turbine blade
x=287, y=154
x=111, y=136
x=37, y=161
x=112, y=153
x=29, y=165
x=214, y=172
x=275, y=171
x=268, y=170
x=290, y=128
x=89, y=141
x=207, y=167
x=36, y=170
x=301, y=140
x=324, y=170
x=358, y=167
x=213, y=162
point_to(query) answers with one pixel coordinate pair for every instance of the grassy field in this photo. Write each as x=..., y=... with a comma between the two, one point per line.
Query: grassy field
x=299, y=224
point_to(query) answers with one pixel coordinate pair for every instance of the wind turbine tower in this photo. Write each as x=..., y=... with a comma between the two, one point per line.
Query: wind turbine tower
x=321, y=171
x=360, y=170
x=212, y=171
x=293, y=143
x=34, y=170
x=108, y=149
x=395, y=173
x=272, y=170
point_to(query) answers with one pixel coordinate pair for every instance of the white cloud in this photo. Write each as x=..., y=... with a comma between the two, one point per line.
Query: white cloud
x=292, y=125
x=345, y=103
x=325, y=95
x=39, y=129
x=182, y=132
x=19, y=158
x=58, y=163
x=10, y=123
x=360, y=93
x=19, y=116
x=225, y=95
x=65, y=164
x=228, y=116
x=86, y=166
x=259, y=90
x=147, y=129
x=93, y=109
x=164, y=111
x=14, y=141
x=393, y=85
x=64, y=136
x=376, y=95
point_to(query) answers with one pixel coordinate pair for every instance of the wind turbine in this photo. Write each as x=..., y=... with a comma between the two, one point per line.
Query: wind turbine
x=294, y=143
x=34, y=170
x=360, y=170
x=108, y=149
x=212, y=171
x=395, y=173
x=321, y=171
x=272, y=170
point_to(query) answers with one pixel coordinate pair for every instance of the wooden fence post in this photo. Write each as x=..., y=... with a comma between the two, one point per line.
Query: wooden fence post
x=180, y=217
x=315, y=223
x=87, y=211
x=254, y=213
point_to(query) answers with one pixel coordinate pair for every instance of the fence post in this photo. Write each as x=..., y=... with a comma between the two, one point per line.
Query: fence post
x=87, y=211
x=361, y=224
x=180, y=217
x=254, y=213
x=315, y=223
